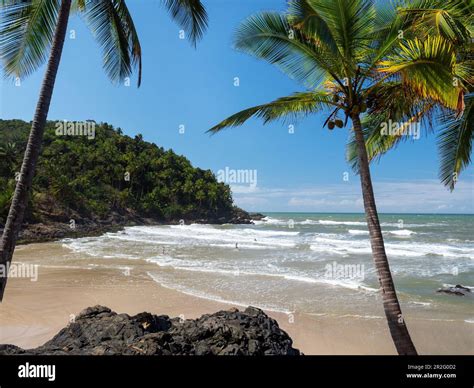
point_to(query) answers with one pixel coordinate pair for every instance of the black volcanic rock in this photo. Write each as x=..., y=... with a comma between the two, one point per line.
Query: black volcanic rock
x=99, y=331
x=257, y=216
x=457, y=290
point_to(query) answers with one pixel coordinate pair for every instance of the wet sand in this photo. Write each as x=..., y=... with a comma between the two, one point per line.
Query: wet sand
x=34, y=311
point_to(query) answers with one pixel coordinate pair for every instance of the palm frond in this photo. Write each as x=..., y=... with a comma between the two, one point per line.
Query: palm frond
x=426, y=66
x=190, y=15
x=448, y=18
x=112, y=26
x=388, y=24
x=297, y=105
x=78, y=6
x=26, y=34
x=464, y=71
x=351, y=23
x=134, y=41
x=455, y=143
x=270, y=36
x=306, y=18
x=391, y=102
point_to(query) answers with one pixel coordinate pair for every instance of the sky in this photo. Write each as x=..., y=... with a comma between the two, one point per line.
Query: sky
x=297, y=169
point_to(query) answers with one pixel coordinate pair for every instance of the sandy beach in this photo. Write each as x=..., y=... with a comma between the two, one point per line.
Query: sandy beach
x=33, y=311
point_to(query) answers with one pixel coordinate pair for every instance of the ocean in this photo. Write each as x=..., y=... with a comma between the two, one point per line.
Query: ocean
x=311, y=263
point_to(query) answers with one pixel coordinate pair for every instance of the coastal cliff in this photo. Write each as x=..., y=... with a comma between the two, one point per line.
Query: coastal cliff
x=89, y=185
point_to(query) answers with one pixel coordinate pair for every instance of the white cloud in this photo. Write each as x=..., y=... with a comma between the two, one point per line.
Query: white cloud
x=421, y=196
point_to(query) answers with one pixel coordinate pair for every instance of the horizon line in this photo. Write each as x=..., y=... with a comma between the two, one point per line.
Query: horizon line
x=362, y=213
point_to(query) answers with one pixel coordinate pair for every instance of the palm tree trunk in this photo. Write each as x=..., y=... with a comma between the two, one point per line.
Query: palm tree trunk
x=23, y=186
x=393, y=312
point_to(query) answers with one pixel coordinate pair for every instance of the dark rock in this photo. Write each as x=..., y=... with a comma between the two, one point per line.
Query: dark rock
x=99, y=331
x=450, y=291
x=463, y=288
x=458, y=290
x=237, y=216
x=257, y=216
x=57, y=226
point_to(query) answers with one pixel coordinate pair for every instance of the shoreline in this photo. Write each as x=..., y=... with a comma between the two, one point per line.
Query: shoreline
x=33, y=312
x=50, y=231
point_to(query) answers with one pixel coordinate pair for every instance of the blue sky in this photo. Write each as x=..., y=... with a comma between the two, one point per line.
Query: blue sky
x=302, y=171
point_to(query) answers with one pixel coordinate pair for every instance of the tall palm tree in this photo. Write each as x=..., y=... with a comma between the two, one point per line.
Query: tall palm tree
x=351, y=57
x=30, y=29
x=452, y=20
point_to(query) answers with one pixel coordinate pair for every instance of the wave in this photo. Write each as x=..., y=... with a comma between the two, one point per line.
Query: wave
x=206, y=235
x=351, y=223
x=358, y=231
x=192, y=266
x=211, y=297
x=271, y=221
x=424, y=304
x=446, y=285
x=95, y=247
x=402, y=232
x=333, y=282
x=138, y=242
x=277, y=221
x=285, y=222
x=308, y=222
x=398, y=233
x=341, y=246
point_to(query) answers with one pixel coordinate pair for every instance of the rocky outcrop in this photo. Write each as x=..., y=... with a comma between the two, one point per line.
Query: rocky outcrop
x=74, y=225
x=257, y=216
x=100, y=331
x=457, y=290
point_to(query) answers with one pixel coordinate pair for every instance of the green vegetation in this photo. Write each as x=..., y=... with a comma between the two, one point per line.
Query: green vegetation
x=34, y=31
x=90, y=177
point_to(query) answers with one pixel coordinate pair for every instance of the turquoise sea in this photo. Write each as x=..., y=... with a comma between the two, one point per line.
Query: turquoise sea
x=314, y=263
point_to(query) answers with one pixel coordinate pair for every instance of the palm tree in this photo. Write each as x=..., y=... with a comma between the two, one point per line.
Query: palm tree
x=350, y=57
x=8, y=152
x=30, y=29
x=453, y=21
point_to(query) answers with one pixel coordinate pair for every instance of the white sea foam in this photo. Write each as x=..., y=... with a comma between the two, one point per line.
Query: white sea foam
x=402, y=232
x=130, y=244
x=358, y=231
x=207, y=234
x=424, y=304
x=398, y=233
x=308, y=222
x=219, y=269
x=454, y=285
x=270, y=221
x=341, y=246
x=272, y=258
x=208, y=296
x=351, y=223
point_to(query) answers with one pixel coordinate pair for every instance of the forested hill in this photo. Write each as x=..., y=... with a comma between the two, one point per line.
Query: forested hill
x=94, y=175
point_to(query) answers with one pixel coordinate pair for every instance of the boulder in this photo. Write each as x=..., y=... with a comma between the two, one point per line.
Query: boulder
x=100, y=331
x=457, y=290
